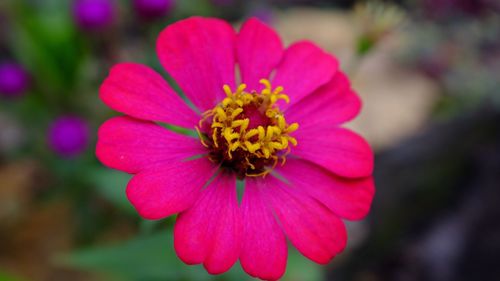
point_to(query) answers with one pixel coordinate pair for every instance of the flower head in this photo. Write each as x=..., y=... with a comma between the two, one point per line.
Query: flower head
x=278, y=129
x=68, y=136
x=152, y=9
x=94, y=15
x=14, y=80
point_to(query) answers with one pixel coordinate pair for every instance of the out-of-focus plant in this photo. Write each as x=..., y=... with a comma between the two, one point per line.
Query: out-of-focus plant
x=460, y=49
x=376, y=20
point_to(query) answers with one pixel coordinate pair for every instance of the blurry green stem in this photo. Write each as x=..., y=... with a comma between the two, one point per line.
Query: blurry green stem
x=364, y=45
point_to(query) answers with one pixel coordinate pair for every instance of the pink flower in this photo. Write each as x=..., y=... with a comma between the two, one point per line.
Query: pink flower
x=303, y=172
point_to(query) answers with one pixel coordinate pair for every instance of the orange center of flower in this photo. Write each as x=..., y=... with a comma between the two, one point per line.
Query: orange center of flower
x=247, y=133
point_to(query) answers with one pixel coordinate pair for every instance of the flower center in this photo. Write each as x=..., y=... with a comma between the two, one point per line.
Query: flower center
x=247, y=133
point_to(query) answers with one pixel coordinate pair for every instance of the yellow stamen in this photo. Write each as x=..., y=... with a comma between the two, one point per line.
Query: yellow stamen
x=202, y=137
x=262, y=132
x=228, y=91
x=229, y=135
x=251, y=133
x=252, y=147
x=214, y=137
x=292, y=128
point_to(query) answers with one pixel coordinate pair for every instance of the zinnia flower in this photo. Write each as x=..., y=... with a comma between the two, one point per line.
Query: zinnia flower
x=274, y=124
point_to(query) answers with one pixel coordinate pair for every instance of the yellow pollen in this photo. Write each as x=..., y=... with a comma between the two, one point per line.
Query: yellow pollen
x=254, y=151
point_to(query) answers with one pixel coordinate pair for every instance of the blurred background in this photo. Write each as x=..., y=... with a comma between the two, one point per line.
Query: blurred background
x=427, y=70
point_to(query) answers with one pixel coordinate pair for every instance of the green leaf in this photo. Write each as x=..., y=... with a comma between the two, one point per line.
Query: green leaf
x=193, y=7
x=143, y=258
x=8, y=277
x=111, y=185
x=364, y=45
x=47, y=44
x=299, y=268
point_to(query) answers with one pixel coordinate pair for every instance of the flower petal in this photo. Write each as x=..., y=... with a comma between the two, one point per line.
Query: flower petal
x=313, y=229
x=264, y=250
x=169, y=188
x=131, y=145
x=259, y=50
x=199, y=54
x=339, y=150
x=140, y=92
x=304, y=68
x=332, y=104
x=210, y=231
x=348, y=198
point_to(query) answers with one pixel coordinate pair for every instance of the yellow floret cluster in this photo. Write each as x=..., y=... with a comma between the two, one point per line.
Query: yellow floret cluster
x=230, y=125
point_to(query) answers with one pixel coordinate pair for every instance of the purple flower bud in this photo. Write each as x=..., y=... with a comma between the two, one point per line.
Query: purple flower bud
x=153, y=9
x=68, y=136
x=14, y=80
x=93, y=15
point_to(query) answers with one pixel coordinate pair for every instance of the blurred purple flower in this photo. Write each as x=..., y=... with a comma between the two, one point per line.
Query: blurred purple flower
x=94, y=14
x=153, y=9
x=68, y=136
x=265, y=14
x=14, y=80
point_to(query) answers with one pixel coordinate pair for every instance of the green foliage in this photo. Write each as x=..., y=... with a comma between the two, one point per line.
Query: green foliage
x=143, y=258
x=111, y=184
x=7, y=277
x=153, y=258
x=193, y=7
x=364, y=45
x=47, y=43
x=300, y=268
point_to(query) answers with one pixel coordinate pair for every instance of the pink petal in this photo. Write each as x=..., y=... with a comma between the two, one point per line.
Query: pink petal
x=169, y=188
x=304, y=68
x=210, y=231
x=140, y=92
x=199, y=54
x=348, y=198
x=332, y=104
x=131, y=145
x=311, y=227
x=339, y=150
x=264, y=249
x=259, y=50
